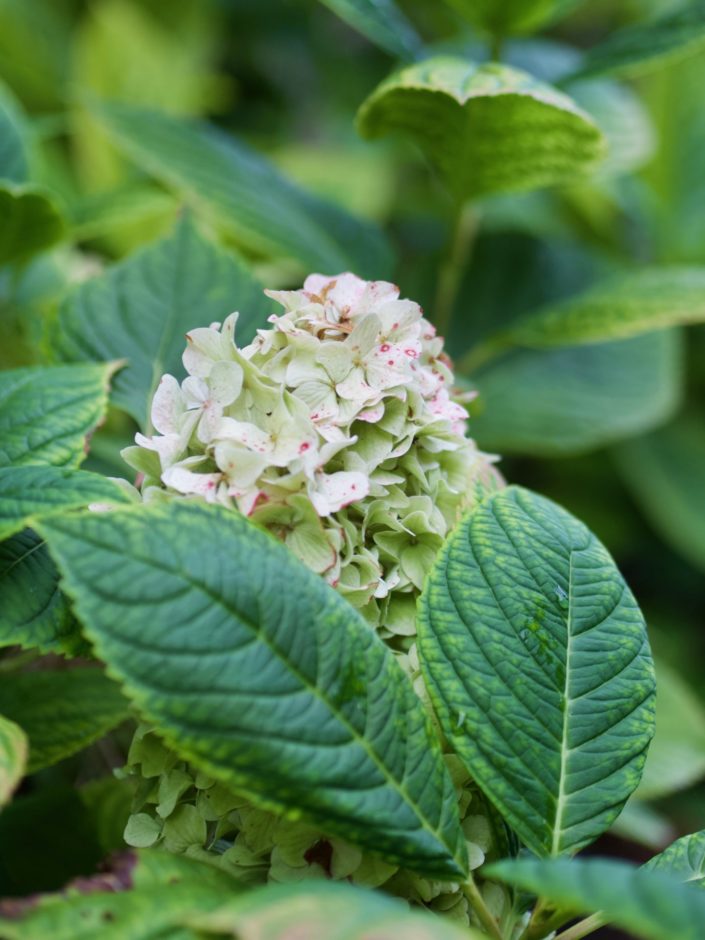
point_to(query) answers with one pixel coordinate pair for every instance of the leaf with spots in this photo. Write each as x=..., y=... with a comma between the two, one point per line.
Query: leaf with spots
x=537, y=661
x=253, y=668
x=684, y=858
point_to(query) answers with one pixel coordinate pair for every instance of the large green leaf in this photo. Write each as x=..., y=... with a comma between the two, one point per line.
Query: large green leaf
x=628, y=305
x=512, y=16
x=167, y=891
x=243, y=193
x=573, y=400
x=285, y=695
x=13, y=756
x=677, y=754
x=685, y=859
x=649, y=904
x=637, y=49
x=327, y=911
x=537, y=662
x=141, y=309
x=31, y=493
x=33, y=611
x=30, y=222
x=381, y=21
x=47, y=413
x=665, y=471
x=486, y=128
x=61, y=711
x=13, y=151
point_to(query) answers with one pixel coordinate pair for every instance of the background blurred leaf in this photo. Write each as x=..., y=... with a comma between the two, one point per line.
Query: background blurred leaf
x=243, y=194
x=676, y=757
x=44, y=27
x=141, y=309
x=573, y=400
x=487, y=128
x=30, y=222
x=636, y=49
x=33, y=611
x=650, y=904
x=512, y=16
x=665, y=472
x=382, y=22
x=287, y=704
x=685, y=859
x=47, y=413
x=13, y=757
x=525, y=610
x=61, y=710
x=633, y=303
x=13, y=153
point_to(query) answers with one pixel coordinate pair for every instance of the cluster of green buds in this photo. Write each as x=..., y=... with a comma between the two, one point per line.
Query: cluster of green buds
x=339, y=431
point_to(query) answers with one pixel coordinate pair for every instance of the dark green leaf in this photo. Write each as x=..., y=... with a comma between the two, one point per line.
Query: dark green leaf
x=30, y=222
x=512, y=16
x=649, y=904
x=382, y=22
x=286, y=696
x=684, y=859
x=665, y=472
x=33, y=611
x=537, y=661
x=61, y=711
x=47, y=413
x=634, y=303
x=29, y=493
x=13, y=757
x=326, y=911
x=573, y=400
x=487, y=128
x=141, y=309
x=677, y=754
x=243, y=194
x=637, y=49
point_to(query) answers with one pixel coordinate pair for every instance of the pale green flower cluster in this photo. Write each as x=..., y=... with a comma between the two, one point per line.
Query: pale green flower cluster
x=338, y=430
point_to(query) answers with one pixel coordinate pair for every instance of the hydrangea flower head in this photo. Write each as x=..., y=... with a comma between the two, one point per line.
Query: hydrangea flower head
x=337, y=428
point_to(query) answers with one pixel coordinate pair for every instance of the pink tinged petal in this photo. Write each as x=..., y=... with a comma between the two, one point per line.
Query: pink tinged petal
x=195, y=391
x=189, y=483
x=371, y=415
x=332, y=491
x=243, y=432
x=355, y=386
x=345, y=292
x=379, y=292
x=247, y=502
x=399, y=318
x=168, y=405
x=225, y=382
x=388, y=367
x=364, y=336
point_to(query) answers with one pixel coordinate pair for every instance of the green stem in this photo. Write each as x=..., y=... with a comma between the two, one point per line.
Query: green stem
x=477, y=903
x=583, y=928
x=453, y=268
x=496, y=48
x=480, y=354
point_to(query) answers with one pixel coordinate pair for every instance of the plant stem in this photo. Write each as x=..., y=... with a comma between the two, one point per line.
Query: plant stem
x=496, y=48
x=480, y=354
x=477, y=903
x=453, y=268
x=583, y=928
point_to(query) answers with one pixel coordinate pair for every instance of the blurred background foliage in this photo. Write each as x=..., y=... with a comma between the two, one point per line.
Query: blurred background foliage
x=276, y=170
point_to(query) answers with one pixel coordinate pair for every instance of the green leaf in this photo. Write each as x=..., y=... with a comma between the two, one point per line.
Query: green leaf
x=677, y=754
x=47, y=413
x=329, y=910
x=512, y=16
x=61, y=711
x=31, y=493
x=243, y=194
x=287, y=696
x=570, y=401
x=649, y=904
x=664, y=472
x=382, y=22
x=486, y=128
x=685, y=859
x=13, y=152
x=630, y=304
x=637, y=49
x=33, y=611
x=30, y=222
x=141, y=309
x=537, y=661
x=167, y=892
x=13, y=756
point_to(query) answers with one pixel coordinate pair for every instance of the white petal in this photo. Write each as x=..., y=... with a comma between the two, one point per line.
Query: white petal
x=189, y=483
x=168, y=405
x=331, y=491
